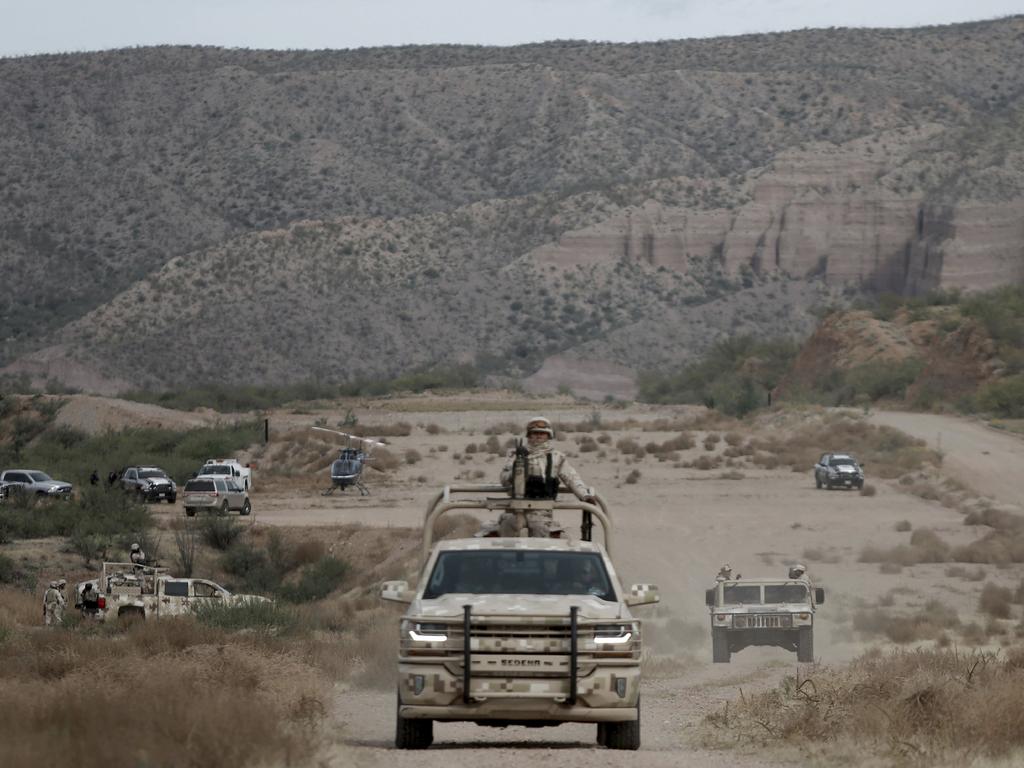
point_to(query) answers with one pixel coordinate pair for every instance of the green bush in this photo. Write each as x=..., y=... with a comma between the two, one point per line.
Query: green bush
x=252, y=567
x=1004, y=397
x=316, y=581
x=72, y=456
x=258, y=615
x=735, y=376
x=220, y=532
x=97, y=512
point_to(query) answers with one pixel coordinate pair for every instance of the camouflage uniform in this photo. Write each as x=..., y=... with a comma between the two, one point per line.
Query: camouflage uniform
x=53, y=605
x=539, y=523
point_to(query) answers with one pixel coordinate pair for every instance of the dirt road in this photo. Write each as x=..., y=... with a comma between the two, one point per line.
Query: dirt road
x=675, y=527
x=981, y=457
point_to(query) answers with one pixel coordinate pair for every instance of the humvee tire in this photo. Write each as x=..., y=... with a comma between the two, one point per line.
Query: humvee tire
x=720, y=653
x=623, y=735
x=412, y=734
x=805, y=645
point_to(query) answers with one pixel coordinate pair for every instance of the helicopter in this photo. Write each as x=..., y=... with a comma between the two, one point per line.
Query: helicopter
x=347, y=469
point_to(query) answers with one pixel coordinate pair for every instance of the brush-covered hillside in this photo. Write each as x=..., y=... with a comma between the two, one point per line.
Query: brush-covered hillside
x=182, y=215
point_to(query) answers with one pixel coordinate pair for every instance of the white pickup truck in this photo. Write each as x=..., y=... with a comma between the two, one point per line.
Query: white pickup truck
x=224, y=468
x=129, y=590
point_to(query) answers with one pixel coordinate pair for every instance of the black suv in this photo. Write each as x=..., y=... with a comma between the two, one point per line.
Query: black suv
x=838, y=470
x=150, y=483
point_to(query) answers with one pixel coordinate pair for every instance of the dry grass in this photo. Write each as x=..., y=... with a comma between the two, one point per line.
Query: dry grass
x=919, y=708
x=926, y=624
x=868, y=490
x=925, y=547
x=160, y=693
x=995, y=601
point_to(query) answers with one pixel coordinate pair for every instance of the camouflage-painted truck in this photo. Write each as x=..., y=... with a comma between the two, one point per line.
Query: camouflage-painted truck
x=128, y=590
x=518, y=631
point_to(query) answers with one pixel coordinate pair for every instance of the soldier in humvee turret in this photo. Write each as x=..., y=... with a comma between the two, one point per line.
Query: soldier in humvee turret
x=545, y=468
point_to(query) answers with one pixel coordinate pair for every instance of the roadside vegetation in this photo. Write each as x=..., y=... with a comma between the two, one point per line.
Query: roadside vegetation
x=735, y=377
x=917, y=708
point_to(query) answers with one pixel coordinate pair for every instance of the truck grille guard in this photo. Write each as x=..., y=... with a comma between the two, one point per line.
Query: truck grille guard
x=467, y=656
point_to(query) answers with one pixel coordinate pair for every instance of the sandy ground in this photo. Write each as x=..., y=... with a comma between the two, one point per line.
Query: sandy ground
x=675, y=527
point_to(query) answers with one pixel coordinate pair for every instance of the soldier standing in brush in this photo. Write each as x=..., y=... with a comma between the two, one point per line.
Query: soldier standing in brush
x=546, y=467
x=53, y=604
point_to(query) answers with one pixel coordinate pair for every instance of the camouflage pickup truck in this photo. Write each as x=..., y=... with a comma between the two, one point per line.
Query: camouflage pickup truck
x=775, y=612
x=518, y=631
x=126, y=590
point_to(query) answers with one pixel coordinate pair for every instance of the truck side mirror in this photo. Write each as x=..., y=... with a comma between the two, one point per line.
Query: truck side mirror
x=819, y=595
x=397, y=592
x=643, y=594
x=709, y=596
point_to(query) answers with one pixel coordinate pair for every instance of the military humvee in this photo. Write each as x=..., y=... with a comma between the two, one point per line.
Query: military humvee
x=518, y=631
x=777, y=612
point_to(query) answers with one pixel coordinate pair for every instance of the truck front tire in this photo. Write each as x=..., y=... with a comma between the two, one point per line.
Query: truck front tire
x=805, y=645
x=720, y=653
x=412, y=734
x=622, y=735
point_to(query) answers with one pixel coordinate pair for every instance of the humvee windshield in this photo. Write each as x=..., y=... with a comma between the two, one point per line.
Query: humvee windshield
x=785, y=593
x=519, y=572
x=742, y=594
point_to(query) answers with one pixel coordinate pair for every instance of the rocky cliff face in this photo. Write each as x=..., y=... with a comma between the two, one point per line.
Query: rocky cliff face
x=824, y=211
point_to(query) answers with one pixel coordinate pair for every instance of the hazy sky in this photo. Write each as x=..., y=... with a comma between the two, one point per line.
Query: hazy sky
x=43, y=26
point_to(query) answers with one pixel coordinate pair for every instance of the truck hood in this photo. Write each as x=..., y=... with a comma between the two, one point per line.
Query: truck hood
x=541, y=606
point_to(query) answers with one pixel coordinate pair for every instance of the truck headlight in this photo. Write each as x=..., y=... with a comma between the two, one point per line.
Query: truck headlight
x=429, y=633
x=616, y=634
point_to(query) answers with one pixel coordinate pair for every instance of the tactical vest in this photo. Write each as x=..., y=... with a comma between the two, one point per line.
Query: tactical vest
x=542, y=486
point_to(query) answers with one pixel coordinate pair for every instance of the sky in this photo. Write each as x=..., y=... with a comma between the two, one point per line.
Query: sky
x=53, y=26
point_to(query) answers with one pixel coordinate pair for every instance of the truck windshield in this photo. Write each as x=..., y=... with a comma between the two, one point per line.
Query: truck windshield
x=744, y=594
x=216, y=469
x=519, y=572
x=785, y=593
x=152, y=473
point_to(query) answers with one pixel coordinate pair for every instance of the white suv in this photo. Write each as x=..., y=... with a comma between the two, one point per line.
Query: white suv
x=215, y=494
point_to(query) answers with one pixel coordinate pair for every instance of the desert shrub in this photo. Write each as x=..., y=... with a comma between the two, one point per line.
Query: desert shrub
x=303, y=553
x=959, y=572
x=493, y=445
x=384, y=460
x=903, y=526
x=588, y=445
x=732, y=475
x=711, y=439
x=412, y=456
x=734, y=377
x=503, y=427
x=433, y=429
x=921, y=707
x=706, y=463
x=220, y=532
x=316, y=581
x=97, y=513
x=186, y=544
x=995, y=518
x=257, y=615
x=926, y=624
x=252, y=567
x=869, y=490
x=398, y=429
x=925, y=547
x=470, y=448
x=633, y=477
x=995, y=601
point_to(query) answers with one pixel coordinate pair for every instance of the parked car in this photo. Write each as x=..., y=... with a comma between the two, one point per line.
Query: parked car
x=215, y=494
x=150, y=483
x=228, y=469
x=34, y=481
x=838, y=470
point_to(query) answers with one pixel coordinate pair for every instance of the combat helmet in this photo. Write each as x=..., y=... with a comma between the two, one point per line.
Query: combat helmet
x=540, y=424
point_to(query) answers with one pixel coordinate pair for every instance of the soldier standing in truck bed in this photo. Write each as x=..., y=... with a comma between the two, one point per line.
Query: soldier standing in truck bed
x=546, y=468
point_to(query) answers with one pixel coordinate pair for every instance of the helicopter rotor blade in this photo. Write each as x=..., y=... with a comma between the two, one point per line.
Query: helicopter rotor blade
x=350, y=437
